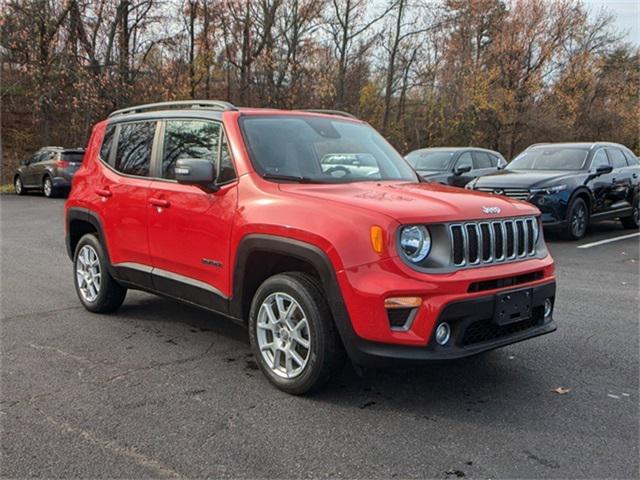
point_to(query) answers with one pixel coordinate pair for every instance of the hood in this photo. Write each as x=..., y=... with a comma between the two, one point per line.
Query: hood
x=413, y=202
x=521, y=178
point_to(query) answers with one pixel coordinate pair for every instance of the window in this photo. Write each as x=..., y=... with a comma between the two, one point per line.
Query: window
x=599, y=160
x=550, y=158
x=616, y=158
x=465, y=160
x=135, y=142
x=632, y=161
x=74, y=157
x=227, y=172
x=429, y=160
x=483, y=160
x=107, y=143
x=292, y=147
x=188, y=139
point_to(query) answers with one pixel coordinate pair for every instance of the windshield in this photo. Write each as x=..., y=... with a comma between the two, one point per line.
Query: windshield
x=321, y=150
x=550, y=158
x=430, y=160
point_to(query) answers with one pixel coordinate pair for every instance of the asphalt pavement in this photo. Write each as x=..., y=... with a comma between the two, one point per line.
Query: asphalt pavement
x=164, y=390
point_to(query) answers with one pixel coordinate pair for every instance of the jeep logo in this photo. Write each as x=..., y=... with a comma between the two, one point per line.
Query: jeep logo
x=491, y=210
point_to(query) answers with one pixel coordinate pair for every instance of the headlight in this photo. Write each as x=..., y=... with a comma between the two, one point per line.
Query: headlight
x=549, y=190
x=415, y=242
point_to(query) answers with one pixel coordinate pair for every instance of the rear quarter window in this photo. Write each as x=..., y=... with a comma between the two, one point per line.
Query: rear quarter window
x=107, y=143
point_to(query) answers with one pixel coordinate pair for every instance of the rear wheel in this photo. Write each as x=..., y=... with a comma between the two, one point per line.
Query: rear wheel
x=633, y=220
x=96, y=288
x=292, y=333
x=18, y=186
x=47, y=187
x=577, y=220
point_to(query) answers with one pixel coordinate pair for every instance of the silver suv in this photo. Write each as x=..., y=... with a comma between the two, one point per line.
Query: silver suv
x=50, y=170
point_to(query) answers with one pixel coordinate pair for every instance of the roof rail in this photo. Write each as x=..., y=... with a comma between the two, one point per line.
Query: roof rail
x=212, y=104
x=330, y=112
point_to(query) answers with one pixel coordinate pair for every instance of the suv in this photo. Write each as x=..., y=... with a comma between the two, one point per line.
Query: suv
x=231, y=210
x=50, y=169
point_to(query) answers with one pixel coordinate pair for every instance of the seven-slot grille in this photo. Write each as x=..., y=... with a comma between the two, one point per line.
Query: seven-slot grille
x=517, y=193
x=474, y=243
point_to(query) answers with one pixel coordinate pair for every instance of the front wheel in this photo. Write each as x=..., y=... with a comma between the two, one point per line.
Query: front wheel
x=578, y=220
x=292, y=333
x=18, y=186
x=96, y=288
x=633, y=221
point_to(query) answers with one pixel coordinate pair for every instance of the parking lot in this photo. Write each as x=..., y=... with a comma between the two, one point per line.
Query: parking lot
x=164, y=390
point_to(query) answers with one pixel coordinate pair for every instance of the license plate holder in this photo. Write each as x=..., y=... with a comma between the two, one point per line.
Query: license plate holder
x=512, y=307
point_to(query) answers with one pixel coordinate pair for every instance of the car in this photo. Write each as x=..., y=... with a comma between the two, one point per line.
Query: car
x=573, y=184
x=455, y=166
x=49, y=170
x=230, y=209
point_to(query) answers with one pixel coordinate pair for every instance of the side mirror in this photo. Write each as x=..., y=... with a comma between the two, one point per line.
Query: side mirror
x=604, y=169
x=462, y=170
x=196, y=171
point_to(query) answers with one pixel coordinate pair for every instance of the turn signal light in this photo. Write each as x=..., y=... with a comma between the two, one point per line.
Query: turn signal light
x=402, y=302
x=377, y=239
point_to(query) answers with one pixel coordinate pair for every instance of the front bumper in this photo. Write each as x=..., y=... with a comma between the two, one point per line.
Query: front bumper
x=473, y=332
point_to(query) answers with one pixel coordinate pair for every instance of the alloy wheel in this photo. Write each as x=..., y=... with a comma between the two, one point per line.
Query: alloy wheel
x=88, y=273
x=48, y=187
x=18, y=185
x=283, y=335
x=579, y=220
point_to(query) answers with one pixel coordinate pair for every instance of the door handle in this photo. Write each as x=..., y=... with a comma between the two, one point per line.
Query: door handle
x=104, y=192
x=158, y=202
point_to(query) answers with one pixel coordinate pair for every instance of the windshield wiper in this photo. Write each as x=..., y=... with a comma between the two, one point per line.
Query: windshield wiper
x=291, y=178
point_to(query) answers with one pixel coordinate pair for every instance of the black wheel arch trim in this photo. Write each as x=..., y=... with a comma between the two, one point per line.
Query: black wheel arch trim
x=578, y=191
x=300, y=250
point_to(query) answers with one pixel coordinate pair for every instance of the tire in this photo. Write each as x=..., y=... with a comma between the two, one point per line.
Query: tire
x=315, y=363
x=47, y=187
x=577, y=220
x=18, y=186
x=632, y=222
x=90, y=264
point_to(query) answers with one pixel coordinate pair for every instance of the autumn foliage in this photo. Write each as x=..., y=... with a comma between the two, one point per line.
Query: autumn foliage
x=492, y=73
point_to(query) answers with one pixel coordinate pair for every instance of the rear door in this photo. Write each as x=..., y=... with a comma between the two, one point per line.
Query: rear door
x=121, y=193
x=190, y=228
x=37, y=166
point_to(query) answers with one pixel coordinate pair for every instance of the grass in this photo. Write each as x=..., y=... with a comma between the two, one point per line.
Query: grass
x=6, y=188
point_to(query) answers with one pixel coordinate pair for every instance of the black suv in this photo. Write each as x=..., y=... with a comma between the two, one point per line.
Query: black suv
x=50, y=170
x=572, y=184
x=455, y=166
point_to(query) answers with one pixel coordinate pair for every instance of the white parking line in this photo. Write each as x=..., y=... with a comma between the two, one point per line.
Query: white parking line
x=609, y=240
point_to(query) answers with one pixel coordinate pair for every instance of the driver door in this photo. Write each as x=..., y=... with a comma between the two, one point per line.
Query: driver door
x=464, y=160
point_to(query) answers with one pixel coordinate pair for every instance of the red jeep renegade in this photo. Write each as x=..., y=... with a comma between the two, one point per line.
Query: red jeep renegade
x=309, y=227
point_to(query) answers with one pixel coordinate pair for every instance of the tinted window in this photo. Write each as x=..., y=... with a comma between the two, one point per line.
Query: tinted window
x=465, y=160
x=188, y=139
x=430, y=160
x=227, y=171
x=293, y=146
x=616, y=158
x=483, y=160
x=550, y=158
x=72, y=156
x=599, y=160
x=133, y=155
x=107, y=143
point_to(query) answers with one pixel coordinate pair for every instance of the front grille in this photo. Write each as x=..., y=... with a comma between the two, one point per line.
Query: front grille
x=517, y=193
x=486, y=330
x=475, y=243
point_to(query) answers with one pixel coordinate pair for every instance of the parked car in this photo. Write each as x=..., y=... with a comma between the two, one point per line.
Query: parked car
x=231, y=210
x=455, y=166
x=50, y=170
x=573, y=184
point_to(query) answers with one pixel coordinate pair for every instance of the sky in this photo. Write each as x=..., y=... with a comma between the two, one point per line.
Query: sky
x=627, y=14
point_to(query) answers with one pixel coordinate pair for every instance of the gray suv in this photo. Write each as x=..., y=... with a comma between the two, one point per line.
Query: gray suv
x=50, y=170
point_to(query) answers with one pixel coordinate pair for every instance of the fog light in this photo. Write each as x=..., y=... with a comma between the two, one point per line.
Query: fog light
x=443, y=333
x=548, y=307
